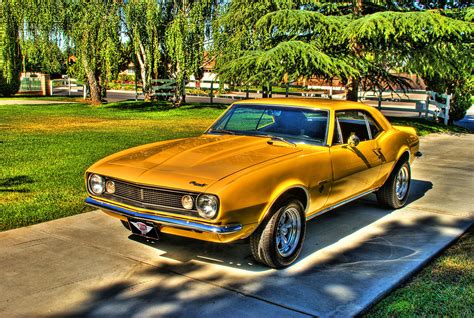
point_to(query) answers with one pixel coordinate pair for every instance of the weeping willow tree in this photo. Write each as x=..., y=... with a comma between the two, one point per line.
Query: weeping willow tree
x=145, y=26
x=359, y=42
x=185, y=38
x=10, y=55
x=94, y=29
x=90, y=30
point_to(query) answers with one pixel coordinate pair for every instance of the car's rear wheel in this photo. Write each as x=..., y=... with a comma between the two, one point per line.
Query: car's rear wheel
x=394, y=193
x=278, y=241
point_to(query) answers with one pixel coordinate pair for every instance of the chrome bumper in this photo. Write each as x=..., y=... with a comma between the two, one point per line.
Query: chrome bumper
x=183, y=224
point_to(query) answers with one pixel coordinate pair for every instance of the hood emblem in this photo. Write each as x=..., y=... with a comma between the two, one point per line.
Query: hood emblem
x=198, y=184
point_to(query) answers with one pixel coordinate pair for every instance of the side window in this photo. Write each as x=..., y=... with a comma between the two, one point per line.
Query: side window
x=374, y=126
x=350, y=122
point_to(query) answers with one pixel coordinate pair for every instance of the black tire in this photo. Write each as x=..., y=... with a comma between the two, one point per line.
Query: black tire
x=391, y=195
x=267, y=248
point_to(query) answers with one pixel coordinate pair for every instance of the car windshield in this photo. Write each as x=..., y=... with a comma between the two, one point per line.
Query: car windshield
x=298, y=125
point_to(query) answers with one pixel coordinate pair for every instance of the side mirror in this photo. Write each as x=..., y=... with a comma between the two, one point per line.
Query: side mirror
x=353, y=141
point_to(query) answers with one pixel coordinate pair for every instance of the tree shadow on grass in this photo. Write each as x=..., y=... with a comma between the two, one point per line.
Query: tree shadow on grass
x=10, y=184
x=143, y=106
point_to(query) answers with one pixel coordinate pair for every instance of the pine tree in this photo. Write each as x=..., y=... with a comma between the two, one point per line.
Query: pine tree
x=359, y=42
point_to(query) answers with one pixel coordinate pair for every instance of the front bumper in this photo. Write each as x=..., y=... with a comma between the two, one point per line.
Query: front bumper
x=166, y=221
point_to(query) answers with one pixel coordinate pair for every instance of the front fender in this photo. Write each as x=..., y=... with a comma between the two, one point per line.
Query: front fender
x=280, y=191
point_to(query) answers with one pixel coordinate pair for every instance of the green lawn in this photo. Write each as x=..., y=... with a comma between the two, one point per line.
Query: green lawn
x=46, y=149
x=445, y=288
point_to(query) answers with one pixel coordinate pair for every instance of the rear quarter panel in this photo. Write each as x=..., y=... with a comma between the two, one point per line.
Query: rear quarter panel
x=393, y=144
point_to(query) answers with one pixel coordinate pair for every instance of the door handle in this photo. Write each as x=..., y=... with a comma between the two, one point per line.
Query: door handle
x=322, y=182
x=321, y=185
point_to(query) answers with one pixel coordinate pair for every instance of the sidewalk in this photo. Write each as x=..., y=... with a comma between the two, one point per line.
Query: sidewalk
x=88, y=265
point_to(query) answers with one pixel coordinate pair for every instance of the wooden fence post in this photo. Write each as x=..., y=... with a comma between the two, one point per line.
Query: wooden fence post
x=212, y=91
x=427, y=110
x=446, y=109
x=379, y=103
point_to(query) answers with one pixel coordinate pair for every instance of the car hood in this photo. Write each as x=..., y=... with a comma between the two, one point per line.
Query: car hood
x=193, y=163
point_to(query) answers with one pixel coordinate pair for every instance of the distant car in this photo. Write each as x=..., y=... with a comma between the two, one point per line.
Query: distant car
x=262, y=170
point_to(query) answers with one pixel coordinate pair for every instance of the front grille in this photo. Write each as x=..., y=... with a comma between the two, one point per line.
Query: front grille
x=150, y=198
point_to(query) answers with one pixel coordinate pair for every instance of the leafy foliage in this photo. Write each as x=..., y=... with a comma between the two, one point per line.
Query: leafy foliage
x=359, y=42
x=145, y=26
x=9, y=50
x=185, y=37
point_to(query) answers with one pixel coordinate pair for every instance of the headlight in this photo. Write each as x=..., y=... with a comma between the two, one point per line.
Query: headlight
x=96, y=184
x=207, y=205
x=187, y=202
x=110, y=187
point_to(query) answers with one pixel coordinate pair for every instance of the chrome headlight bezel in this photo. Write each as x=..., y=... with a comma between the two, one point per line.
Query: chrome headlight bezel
x=207, y=205
x=96, y=184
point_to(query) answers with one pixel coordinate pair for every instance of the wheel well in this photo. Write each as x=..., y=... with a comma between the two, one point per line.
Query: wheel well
x=298, y=192
x=404, y=157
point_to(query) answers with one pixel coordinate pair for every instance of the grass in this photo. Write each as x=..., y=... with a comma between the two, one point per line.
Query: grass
x=445, y=288
x=425, y=127
x=46, y=149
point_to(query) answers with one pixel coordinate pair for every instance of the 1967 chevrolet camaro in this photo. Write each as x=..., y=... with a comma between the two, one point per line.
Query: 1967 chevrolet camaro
x=262, y=170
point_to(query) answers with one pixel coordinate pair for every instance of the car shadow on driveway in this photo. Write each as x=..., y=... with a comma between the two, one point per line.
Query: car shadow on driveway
x=321, y=232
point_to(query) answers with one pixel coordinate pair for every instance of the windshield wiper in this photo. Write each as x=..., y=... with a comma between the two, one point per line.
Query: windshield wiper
x=277, y=138
x=222, y=131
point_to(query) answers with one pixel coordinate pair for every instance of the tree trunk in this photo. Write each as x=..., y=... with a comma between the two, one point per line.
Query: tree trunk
x=357, y=7
x=142, y=59
x=94, y=86
x=180, y=92
x=352, y=90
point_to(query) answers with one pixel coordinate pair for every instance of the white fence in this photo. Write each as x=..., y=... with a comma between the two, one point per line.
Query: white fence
x=425, y=103
x=67, y=85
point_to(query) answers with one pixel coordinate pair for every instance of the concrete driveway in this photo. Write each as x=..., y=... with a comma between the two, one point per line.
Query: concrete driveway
x=89, y=265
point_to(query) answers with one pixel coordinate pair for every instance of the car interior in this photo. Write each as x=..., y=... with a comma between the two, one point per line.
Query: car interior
x=296, y=123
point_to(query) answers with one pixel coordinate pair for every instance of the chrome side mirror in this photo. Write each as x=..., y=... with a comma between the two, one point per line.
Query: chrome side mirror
x=353, y=141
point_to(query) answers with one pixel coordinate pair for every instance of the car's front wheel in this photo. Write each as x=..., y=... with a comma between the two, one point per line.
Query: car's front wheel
x=278, y=241
x=394, y=193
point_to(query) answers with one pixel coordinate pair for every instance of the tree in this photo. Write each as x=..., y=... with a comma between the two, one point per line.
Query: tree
x=49, y=59
x=356, y=41
x=94, y=30
x=91, y=29
x=145, y=26
x=185, y=38
x=10, y=61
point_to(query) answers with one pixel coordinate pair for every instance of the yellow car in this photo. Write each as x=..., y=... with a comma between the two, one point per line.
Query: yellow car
x=262, y=170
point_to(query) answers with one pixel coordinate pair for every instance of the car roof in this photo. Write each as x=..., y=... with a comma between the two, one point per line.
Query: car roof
x=306, y=102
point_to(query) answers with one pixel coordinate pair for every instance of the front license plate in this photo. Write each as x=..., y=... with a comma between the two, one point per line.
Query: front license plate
x=143, y=228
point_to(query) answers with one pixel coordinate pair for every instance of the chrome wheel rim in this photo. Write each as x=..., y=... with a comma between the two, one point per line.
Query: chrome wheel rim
x=401, y=182
x=288, y=232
